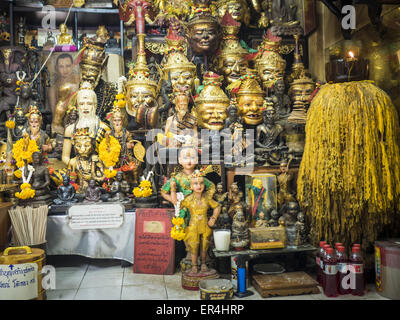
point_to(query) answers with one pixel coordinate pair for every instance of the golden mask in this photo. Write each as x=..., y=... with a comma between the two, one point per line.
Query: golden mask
x=301, y=89
x=239, y=10
x=182, y=71
x=231, y=60
x=269, y=63
x=83, y=143
x=249, y=98
x=211, y=104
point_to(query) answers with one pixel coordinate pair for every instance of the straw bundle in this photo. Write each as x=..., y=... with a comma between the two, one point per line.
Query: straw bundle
x=29, y=225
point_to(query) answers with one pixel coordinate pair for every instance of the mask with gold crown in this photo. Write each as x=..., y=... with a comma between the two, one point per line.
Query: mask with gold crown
x=249, y=97
x=203, y=30
x=212, y=103
x=141, y=91
x=231, y=58
x=177, y=67
x=268, y=62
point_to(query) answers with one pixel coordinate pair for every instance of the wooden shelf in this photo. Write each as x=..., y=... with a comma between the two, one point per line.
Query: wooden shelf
x=73, y=10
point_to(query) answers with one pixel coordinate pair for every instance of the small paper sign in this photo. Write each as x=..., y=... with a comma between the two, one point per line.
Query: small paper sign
x=19, y=281
x=96, y=216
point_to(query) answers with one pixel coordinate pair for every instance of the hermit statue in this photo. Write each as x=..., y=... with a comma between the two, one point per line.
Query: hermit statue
x=93, y=192
x=40, y=180
x=269, y=138
x=281, y=100
x=240, y=231
x=65, y=193
x=119, y=188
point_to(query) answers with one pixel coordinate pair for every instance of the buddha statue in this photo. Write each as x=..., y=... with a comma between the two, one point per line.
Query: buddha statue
x=175, y=64
x=102, y=34
x=300, y=92
x=261, y=222
x=269, y=139
x=269, y=63
x=35, y=132
x=231, y=58
x=86, y=103
x=204, y=31
x=93, y=192
x=235, y=200
x=141, y=91
x=64, y=38
x=249, y=98
x=86, y=163
x=211, y=104
x=66, y=193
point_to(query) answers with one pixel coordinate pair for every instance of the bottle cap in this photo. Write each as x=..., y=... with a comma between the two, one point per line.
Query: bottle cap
x=329, y=250
x=338, y=244
x=340, y=248
x=321, y=243
x=355, y=249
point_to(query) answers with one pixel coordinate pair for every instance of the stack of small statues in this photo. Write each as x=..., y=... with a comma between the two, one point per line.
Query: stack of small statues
x=90, y=141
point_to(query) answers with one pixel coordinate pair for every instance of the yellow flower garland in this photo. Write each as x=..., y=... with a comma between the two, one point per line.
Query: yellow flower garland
x=26, y=192
x=109, y=154
x=144, y=190
x=19, y=154
x=178, y=231
x=10, y=124
x=110, y=173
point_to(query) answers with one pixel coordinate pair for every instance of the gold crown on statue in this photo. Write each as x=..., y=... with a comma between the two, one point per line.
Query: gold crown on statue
x=246, y=84
x=175, y=57
x=212, y=91
x=94, y=52
x=198, y=174
x=33, y=110
x=82, y=132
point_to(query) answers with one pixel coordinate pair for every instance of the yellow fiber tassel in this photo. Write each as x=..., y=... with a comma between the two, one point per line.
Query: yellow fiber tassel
x=348, y=183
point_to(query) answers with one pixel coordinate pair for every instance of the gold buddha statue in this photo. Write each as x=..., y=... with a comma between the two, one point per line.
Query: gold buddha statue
x=300, y=93
x=64, y=38
x=211, y=104
x=231, y=59
x=269, y=63
x=102, y=34
x=249, y=98
x=175, y=64
x=141, y=91
x=238, y=9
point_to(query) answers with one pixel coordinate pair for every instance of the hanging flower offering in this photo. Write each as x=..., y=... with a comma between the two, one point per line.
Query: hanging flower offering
x=109, y=151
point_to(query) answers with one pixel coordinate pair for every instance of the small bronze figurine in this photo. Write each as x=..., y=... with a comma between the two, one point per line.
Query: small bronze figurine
x=240, y=231
x=93, y=192
x=66, y=193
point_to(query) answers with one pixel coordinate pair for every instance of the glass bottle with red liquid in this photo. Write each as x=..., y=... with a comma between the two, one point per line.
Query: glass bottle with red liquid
x=342, y=262
x=357, y=269
x=324, y=247
x=330, y=274
x=318, y=258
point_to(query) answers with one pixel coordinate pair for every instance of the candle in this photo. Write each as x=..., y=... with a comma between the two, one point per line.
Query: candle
x=222, y=239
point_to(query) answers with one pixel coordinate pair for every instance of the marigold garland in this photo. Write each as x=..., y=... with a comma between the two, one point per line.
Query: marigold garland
x=20, y=154
x=109, y=151
x=144, y=190
x=26, y=192
x=110, y=173
x=10, y=124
